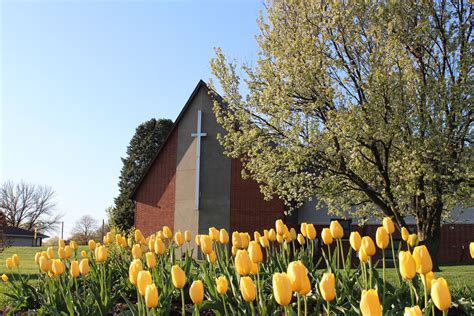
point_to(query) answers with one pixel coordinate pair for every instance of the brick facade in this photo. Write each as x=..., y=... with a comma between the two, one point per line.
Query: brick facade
x=155, y=197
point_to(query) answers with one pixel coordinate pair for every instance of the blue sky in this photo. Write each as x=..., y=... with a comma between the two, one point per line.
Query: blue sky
x=77, y=77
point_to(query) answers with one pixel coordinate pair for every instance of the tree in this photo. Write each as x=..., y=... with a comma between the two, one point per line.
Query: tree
x=148, y=138
x=27, y=206
x=84, y=229
x=366, y=105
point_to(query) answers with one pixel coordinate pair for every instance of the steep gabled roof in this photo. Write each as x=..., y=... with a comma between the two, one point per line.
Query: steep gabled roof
x=201, y=84
x=10, y=231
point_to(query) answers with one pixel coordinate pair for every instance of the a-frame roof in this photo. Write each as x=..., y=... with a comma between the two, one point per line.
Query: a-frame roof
x=201, y=84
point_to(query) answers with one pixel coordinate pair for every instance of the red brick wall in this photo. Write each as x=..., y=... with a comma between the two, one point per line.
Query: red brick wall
x=248, y=210
x=155, y=198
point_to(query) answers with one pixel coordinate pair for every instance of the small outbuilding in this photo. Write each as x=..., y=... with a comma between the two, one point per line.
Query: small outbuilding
x=19, y=237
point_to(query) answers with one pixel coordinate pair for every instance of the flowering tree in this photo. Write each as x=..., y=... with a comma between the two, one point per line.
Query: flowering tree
x=366, y=105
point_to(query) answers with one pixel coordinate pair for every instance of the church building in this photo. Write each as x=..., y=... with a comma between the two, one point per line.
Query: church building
x=191, y=185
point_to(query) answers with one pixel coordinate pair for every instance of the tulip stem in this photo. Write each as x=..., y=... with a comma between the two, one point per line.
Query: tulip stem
x=329, y=259
x=305, y=305
x=383, y=274
x=183, y=311
x=328, y=307
x=395, y=260
x=410, y=284
x=299, y=305
x=370, y=272
x=342, y=254
x=423, y=279
x=252, y=308
x=223, y=303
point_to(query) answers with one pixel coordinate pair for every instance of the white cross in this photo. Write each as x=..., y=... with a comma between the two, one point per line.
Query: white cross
x=198, y=134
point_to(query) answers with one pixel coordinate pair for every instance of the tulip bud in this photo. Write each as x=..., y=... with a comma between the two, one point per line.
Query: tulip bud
x=223, y=236
x=303, y=229
x=370, y=303
x=196, y=292
x=187, y=235
x=135, y=267
x=429, y=277
x=16, y=260
x=138, y=236
x=167, y=232
x=4, y=278
x=422, y=259
x=272, y=235
x=159, y=246
x=151, y=296
x=74, y=269
x=326, y=236
x=84, y=267
x=264, y=242
x=355, y=240
x=387, y=223
x=84, y=254
x=178, y=277
x=144, y=279
x=214, y=233
x=280, y=227
x=247, y=288
x=293, y=234
x=413, y=311
x=151, y=242
x=9, y=263
x=310, y=231
x=102, y=254
x=471, y=249
x=336, y=230
x=150, y=260
x=50, y=252
x=221, y=285
x=68, y=251
x=243, y=264
x=327, y=286
x=245, y=237
x=108, y=239
x=91, y=245
x=61, y=253
x=211, y=257
x=301, y=239
x=61, y=243
x=136, y=251
x=368, y=246
x=255, y=252
x=282, y=289
x=57, y=267
x=405, y=234
x=412, y=240
x=178, y=238
x=296, y=273
x=407, y=265
x=44, y=264
x=440, y=294
x=206, y=244
x=382, y=238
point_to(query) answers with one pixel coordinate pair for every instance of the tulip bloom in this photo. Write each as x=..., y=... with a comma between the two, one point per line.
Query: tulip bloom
x=293, y=234
x=16, y=260
x=412, y=240
x=306, y=286
x=84, y=267
x=264, y=242
x=223, y=236
x=211, y=257
x=151, y=296
x=214, y=233
x=422, y=259
x=44, y=264
x=74, y=269
x=407, y=265
x=471, y=249
x=254, y=269
x=206, y=244
x=248, y=289
x=178, y=277
x=310, y=231
x=167, y=232
x=326, y=236
x=61, y=253
x=429, y=278
x=61, y=243
x=222, y=285
x=84, y=254
x=370, y=304
x=327, y=286
x=336, y=230
x=136, y=251
x=382, y=238
x=178, y=238
x=243, y=263
x=91, y=245
x=150, y=259
x=301, y=239
x=159, y=246
x=279, y=227
x=187, y=235
x=9, y=263
x=303, y=229
x=413, y=311
x=143, y=280
x=282, y=289
x=368, y=246
x=296, y=273
x=405, y=234
x=355, y=240
x=245, y=237
x=255, y=252
x=102, y=254
x=196, y=292
x=57, y=267
x=363, y=257
x=4, y=278
x=50, y=252
x=440, y=294
x=272, y=235
x=135, y=267
x=387, y=223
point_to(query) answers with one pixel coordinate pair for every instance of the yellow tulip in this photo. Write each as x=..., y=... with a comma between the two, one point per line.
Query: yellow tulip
x=234, y=251
x=84, y=254
x=405, y=234
x=37, y=257
x=243, y=263
x=150, y=259
x=368, y=246
x=178, y=238
x=236, y=240
x=50, y=252
x=287, y=236
x=272, y=235
x=282, y=289
x=61, y=253
x=363, y=257
x=248, y=289
x=57, y=267
x=382, y=238
x=279, y=238
x=197, y=240
x=4, y=278
x=355, y=240
x=423, y=259
x=144, y=279
x=471, y=249
x=303, y=229
x=387, y=223
x=16, y=260
x=293, y=234
x=206, y=244
x=187, y=235
x=196, y=292
x=73, y=244
x=223, y=236
x=256, y=236
x=9, y=263
x=61, y=243
x=68, y=251
x=296, y=273
x=264, y=242
x=102, y=254
x=222, y=285
x=74, y=269
x=160, y=235
x=151, y=296
x=336, y=230
x=136, y=251
x=440, y=294
x=214, y=233
x=91, y=245
x=279, y=227
x=167, y=232
x=306, y=286
x=108, y=238
x=245, y=237
x=327, y=286
x=370, y=303
x=407, y=265
x=135, y=267
x=429, y=278
x=178, y=277
x=44, y=264
x=254, y=269
x=412, y=311
x=255, y=252
x=138, y=236
x=84, y=266
x=159, y=246
x=412, y=240
x=211, y=257
x=151, y=242
x=310, y=231
x=326, y=236
x=301, y=239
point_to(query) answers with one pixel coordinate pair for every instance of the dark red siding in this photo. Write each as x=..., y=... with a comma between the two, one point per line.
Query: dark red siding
x=155, y=198
x=248, y=210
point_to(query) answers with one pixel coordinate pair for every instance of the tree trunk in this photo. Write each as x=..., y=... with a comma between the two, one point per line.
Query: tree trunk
x=429, y=230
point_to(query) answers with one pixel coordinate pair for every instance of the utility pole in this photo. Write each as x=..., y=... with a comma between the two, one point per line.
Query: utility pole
x=62, y=230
